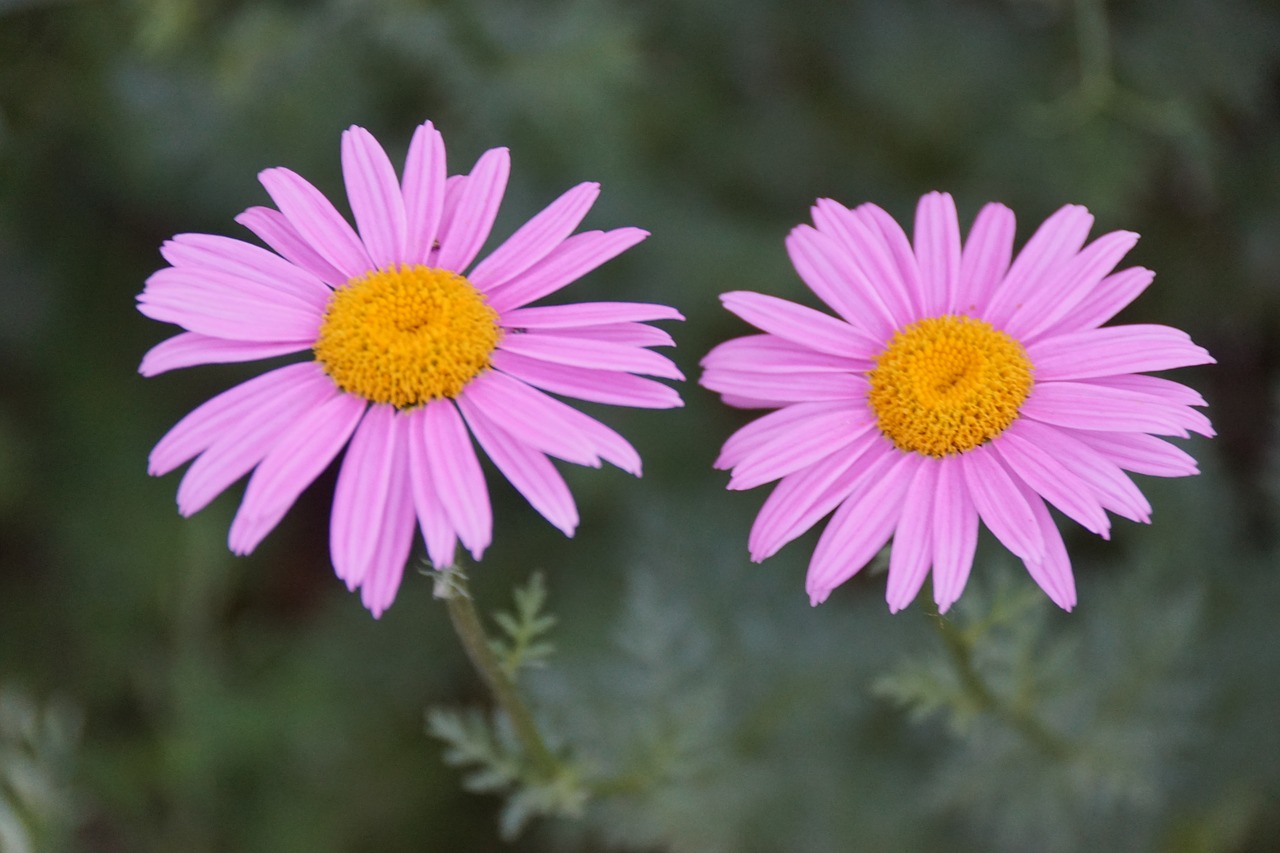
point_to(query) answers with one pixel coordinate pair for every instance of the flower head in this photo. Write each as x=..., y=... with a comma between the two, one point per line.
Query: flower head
x=414, y=351
x=957, y=383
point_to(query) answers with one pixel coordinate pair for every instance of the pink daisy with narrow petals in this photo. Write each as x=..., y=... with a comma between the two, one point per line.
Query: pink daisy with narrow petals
x=957, y=383
x=410, y=359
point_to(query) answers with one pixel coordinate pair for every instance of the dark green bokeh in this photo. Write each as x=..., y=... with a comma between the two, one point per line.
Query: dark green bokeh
x=250, y=704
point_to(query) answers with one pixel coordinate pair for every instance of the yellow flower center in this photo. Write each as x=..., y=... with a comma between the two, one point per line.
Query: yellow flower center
x=406, y=336
x=948, y=384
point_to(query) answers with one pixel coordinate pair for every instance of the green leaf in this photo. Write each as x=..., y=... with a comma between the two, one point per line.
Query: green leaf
x=524, y=645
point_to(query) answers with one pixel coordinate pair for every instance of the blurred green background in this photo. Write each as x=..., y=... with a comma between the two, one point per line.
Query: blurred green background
x=159, y=694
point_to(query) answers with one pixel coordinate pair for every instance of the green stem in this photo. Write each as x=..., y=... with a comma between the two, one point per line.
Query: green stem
x=452, y=586
x=1030, y=727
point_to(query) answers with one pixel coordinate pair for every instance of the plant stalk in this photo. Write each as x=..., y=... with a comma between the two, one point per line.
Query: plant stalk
x=1028, y=725
x=466, y=622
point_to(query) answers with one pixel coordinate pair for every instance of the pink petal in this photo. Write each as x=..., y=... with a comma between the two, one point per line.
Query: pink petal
x=1052, y=480
x=372, y=468
x=802, y=499
x=1142, y=454
x=1166, y=389
x=457, y=477
x=1064, y=289
x=1001, y=503
x=1101, y=476
x=801, y=325
x=423, y=193
x=913, y=539
x=937, y=251
x=760, y=434
x=816, y=437
x=580, y=314
x=241, y=260
x=770, y=390
x=906, y=274
x=394, y=538
x=626, y=334
x=317, y=221
x=1086, y=405
x=1164, y=395
x=395, y=541
x=861, y=526
x=1113, y=350
x=494, y=399
x=196, y=432
x=534, y=240
x=1052, y=571
x=599, y=355
x=186, y=349
x=548, y=424
x=598, y=386
x=1106, y=300
x=374, y=193
x=465, y=232
x=831, y=273
x=273, y=228
x=527, y=469
x=437, y=530
x=985, y=258
x=241, y=445
x=955, y=535
x=572, y=259
x=772, y=354
x=222, y=306
x=303, y=451
x=861, y=243
x=453, y=186
x=733, y=375
x=739, y=401
x=181, y=283
x=1055, y=243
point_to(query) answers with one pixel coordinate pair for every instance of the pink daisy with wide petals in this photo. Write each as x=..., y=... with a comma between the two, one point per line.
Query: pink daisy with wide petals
x=957, y=383
x=411, y=359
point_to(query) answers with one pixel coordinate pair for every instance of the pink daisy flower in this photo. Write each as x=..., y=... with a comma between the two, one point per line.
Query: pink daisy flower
x=958, y=383
x=410, y=358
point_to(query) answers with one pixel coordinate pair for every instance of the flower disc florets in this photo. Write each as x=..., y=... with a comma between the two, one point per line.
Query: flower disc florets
x=406, y=335
x=947, y=384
